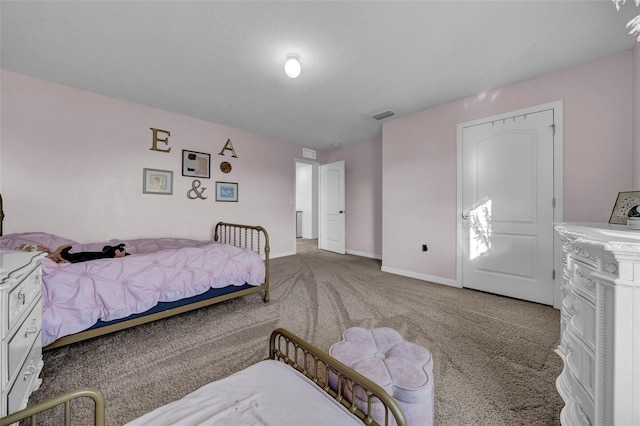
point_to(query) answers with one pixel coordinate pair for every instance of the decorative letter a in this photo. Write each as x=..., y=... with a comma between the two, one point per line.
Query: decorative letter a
x=229, y=147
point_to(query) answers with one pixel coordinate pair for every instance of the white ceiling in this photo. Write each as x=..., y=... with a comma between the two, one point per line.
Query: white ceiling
x=223, y=61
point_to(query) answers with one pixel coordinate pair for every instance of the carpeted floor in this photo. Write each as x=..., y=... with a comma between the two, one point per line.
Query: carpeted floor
x=493, y=356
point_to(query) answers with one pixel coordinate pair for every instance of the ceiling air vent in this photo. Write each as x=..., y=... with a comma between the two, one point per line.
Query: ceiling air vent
x=384, y=114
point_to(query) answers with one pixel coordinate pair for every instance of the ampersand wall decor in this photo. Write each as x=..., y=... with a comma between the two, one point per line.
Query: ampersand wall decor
x=195, y=191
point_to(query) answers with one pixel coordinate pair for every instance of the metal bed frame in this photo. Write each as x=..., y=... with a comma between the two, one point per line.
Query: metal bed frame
x=33, y=411
x=286, y=347
x=317, y=366
x=254, y=238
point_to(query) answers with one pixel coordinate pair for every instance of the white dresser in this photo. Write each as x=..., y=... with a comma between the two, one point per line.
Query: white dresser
x=21, y=318
x=600, y=325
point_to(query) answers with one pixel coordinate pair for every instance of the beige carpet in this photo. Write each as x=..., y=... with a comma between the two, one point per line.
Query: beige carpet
x=493, y=356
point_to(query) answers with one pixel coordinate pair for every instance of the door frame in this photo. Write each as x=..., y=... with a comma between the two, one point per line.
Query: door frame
x=558, y=212
x=315, y=165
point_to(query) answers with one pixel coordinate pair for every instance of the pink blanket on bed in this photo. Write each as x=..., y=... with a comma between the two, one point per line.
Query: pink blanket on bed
x=77, y=295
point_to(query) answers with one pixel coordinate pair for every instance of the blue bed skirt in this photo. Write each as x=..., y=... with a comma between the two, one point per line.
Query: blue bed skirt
x=164, y=306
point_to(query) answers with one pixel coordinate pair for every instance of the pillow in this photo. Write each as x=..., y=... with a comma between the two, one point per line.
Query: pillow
x=34, y=239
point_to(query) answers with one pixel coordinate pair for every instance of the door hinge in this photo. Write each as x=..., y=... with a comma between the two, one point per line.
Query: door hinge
x=553, y=202
x=553, y=129
x=553, y=274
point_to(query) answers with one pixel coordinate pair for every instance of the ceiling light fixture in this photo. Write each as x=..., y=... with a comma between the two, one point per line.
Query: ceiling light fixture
x=292, y=66
x=634, y=24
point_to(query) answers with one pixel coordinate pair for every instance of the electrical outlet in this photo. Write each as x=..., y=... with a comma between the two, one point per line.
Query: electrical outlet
x=424, y=247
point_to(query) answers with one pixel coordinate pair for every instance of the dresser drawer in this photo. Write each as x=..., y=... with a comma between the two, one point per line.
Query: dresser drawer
x=21, y=296
x=580, y=362
x=22, y=342
x=582, y=315
x=23, y=384
x=583, y=281
x=579, y=407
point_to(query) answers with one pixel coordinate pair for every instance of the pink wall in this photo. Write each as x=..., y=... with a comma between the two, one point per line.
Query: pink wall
x=72, y=163
x=636, y=118
x=363, y=190
x=419, y=159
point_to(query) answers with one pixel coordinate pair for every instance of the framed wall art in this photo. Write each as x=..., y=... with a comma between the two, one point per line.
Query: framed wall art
x=226, y=191
x=625, y=202
x=157, y=181
x=196, y=164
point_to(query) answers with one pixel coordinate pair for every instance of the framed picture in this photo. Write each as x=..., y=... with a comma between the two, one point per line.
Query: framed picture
x=196, y=164
x=226, y=191
x=625, y=202
x=157, y=181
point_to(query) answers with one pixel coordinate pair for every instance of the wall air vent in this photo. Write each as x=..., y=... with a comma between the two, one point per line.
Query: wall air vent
x=384, y=114
x=309, y=153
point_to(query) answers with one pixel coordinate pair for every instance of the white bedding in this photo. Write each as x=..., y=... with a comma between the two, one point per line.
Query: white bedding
x=266, y=393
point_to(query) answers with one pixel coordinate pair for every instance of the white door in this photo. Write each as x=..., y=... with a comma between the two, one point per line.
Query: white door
x=331, y=232
x=507, y=206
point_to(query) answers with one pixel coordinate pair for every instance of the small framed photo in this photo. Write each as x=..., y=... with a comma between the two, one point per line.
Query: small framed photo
x=196, y=164
x=226, y=191
x=625, y=202
x=157, y=181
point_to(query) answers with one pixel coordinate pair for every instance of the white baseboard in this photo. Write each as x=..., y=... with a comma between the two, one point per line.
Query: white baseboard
x=284, y=254
x=363, y=254
x=423, y=277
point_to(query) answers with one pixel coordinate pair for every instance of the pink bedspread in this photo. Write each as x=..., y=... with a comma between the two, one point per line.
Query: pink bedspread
x=77, y=295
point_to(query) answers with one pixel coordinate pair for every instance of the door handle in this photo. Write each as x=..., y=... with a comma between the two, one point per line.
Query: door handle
x=465, y=215
x=341, y=211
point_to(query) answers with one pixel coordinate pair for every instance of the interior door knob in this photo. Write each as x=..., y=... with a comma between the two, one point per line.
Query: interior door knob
x=341, y=211
x=465, y=215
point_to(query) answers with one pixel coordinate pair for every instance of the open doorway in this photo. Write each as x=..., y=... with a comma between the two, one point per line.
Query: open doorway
x=306, y=203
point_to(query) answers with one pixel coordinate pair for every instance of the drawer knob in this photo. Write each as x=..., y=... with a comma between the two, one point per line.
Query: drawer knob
x=29, y=372
x=30, y=330
x=22, y=297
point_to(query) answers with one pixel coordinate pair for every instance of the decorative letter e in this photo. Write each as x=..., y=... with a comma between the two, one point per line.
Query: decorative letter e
x=154, y=146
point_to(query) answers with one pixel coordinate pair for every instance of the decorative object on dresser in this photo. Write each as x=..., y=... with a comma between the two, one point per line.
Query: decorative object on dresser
x=600, y=325
x=624, y=203
x=20, y=322
x=633, y=218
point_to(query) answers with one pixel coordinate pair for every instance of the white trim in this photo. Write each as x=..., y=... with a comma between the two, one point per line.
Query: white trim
x=558, y=185
x=315, y=165
x=363, y=254
x=284, y=254
x=558, y=193
x=423, y=277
